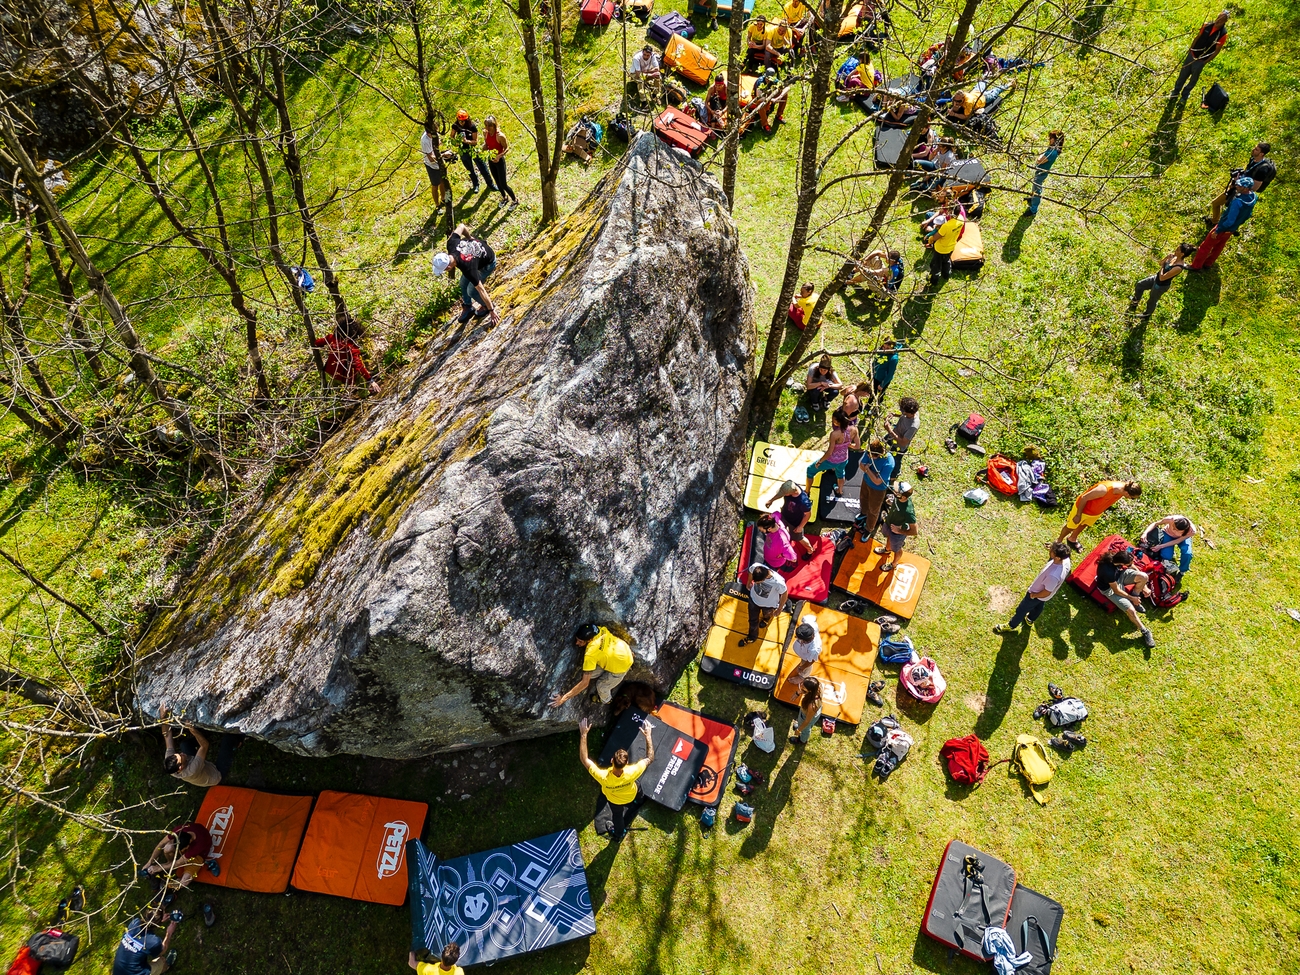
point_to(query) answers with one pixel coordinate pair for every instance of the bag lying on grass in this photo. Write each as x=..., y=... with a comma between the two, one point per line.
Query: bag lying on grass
x=1068, y=711
x=967, y=759
x=1029, y=759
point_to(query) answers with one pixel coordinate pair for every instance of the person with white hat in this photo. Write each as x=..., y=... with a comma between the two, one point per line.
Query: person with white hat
x=475, y=260
x=900, y=524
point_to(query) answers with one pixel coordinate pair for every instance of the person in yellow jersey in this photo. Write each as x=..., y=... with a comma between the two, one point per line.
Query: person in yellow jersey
x=800, y=19
x=605, y=662
x=1091, y=505
x=446, y=966
x=802, y=306
x=618, y=782
x=945, y=242
x=779, y=43
x=756, y=38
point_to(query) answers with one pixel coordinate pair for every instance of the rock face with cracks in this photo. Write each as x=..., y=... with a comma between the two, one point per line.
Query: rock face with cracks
x=416, y=586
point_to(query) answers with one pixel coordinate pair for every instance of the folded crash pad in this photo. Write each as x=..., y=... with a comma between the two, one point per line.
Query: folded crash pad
x=680, y=131
x=889, y=145
x=356, y=847
x=754, y=665
x=717, y=736
x=500, y=903
x=769, y=465
x=724, y=8
x=1084, y=575
x=964, y=176
x=691, y=61
x=969, y=252
x=733, y=614
x=1034, y=925
x=895, y=592
x=849, y=647
x=678, y=757
x=255, y=837
x=962, y=906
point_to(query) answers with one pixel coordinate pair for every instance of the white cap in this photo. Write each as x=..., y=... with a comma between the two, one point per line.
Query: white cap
x=904, y=487
x=441, y=262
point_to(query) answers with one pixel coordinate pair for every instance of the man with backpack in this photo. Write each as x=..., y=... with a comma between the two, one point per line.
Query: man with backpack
x=1041, y=590
x=1260, y=169
x=476, y=260
x=1229, y=225
x=1209, y=41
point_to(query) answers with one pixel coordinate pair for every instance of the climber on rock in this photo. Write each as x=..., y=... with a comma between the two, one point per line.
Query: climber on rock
x=605, y=662
x=476, y=260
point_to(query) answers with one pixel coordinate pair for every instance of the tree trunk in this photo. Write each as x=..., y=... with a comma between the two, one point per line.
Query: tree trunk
x=809, y=178
x=769, y=385
x=209, y=451
x=413, y=20
x=731, y=149
x=541, y=140
x=561, y=108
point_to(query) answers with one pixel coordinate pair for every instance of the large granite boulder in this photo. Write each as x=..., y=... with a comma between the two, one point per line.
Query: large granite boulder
x=415, y=587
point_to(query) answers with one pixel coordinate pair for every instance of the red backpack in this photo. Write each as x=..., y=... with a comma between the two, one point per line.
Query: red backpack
x=1002, y=474
x=967, y=759
x=1162, y=587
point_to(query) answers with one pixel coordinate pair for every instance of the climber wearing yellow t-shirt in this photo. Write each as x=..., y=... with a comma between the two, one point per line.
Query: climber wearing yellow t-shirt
x=445, y=966
x=756, y=38
x=618, y=782
x=945, y=242
x=606, y=660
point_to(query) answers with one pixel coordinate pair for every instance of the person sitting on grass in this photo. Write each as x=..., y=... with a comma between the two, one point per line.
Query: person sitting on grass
x=767, y=594
x=1170, y=535
x=1157, y=284
x=802, y=306
x=141, y=951
x=176, y=860
x=780, y=41
x=843, y=438
x=768, y=92
x=944, y=159
x=884, y=267
x=810, y=710
x=927, y=145
x=343, y=360
x=822, y=383
x=778, y=550
x=898, y=112
x=807, y=646
x=446, y=965
x=618, y=782
x=647, y=75
x=606, y=661
x=900, y=524
x=756, y=39
x=1123, y=585
x=800, y=19
x=1091, y=504
x=795, y=511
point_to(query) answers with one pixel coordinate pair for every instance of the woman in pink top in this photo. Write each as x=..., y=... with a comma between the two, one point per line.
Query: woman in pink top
x=844, y=437
x=778, y=549
x=494, y=142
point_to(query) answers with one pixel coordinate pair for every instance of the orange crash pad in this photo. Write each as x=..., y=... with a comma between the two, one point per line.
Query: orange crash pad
x=717, y=736
x=843, y=694
x=255, y=837
x=733, y=614
x=755, y=665
x=356, y=847
x=895, y=592
x=692, y=61
x=849, y=646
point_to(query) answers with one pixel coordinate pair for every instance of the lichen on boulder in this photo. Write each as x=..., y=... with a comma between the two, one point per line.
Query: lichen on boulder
x=415, y=587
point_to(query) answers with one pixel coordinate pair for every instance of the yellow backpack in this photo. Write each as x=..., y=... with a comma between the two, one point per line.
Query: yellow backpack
x=1030, y=759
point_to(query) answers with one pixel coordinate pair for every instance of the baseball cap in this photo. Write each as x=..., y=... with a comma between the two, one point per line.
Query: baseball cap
x=441, y=262
x=789, y=487
x=904, y=487
x=1245, y=183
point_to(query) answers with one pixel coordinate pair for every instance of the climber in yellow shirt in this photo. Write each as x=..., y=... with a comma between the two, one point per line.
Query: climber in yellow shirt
x=445, y=966
x=618, y=782
x=606, y=660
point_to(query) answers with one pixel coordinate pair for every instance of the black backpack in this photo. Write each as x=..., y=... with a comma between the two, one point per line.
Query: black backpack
x=56, y=949
x=1216, y=99
x=621, y=127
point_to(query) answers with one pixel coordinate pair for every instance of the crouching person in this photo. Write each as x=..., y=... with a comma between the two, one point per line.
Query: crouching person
x=605, y=662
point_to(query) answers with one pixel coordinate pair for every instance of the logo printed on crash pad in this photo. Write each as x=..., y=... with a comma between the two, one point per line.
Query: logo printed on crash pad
x=476, y=905
x=900, y=588
x=682, y=748
x=218, y=825
x=392, y=852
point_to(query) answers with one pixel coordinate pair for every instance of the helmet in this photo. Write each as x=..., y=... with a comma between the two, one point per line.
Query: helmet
x=587, y=631
x=461, y=115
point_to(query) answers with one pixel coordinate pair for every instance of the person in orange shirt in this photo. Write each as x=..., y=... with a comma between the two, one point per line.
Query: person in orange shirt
x=1091, y=504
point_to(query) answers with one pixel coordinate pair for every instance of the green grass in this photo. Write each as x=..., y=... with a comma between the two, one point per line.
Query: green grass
x=1171, y=839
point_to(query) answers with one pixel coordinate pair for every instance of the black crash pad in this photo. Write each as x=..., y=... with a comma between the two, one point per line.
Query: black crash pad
x=843, y=509
x=678, y=757
x=889, y=145
x=1048, y=915
x=959, y=909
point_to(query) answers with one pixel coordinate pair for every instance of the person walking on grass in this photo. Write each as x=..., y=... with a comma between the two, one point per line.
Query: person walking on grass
x=843, y=438
x=1091, y=504
x=1157, y=284
x=900, y=524
x=810, y=711
x=1259, y=168
x=476, y=260
x=767, y=594
x=467, y=131
x=1207, y=44
x=1043, y=166
x=1124, y=585
x=446, y=965
x=877, y=466
x=434, y=165
x=1238, y=211
x=618, y=782
x=494, y=141
x=795, y=512
x=1041, y=590
x=606, y=661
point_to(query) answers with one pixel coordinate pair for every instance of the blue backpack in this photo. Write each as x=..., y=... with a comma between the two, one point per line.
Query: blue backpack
x=897, y=649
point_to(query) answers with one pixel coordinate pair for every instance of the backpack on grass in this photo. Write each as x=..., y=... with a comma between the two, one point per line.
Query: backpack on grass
x=1215, y=98
x=1069, y=710
x=1029, y=759
x=897, y=649
x=1002, y=476
x=971, y=428
x=1162, y=585
x=967, y=759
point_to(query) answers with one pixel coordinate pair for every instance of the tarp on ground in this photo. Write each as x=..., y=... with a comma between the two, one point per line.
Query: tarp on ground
x=356, y=847
x=677, y=762
x=500, y=903
x=255, y=837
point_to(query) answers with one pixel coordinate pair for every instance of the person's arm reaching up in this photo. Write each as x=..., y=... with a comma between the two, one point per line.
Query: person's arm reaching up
x=583, y=727
x=649, y=742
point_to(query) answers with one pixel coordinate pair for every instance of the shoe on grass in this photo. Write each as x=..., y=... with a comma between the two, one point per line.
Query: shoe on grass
x=873, y=693
x=1002, y=629
x=1074, y=740
x=209, y=915
x=1148, y=638
x=1054, y=692
x=1074, y=545
x=171, y=959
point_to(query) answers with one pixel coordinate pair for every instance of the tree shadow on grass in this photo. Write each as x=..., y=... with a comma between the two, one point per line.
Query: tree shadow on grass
x=768, y=804
x=1135, y=349
x=1011, y=246
x=1201, y=293
x=916, y=312
x=418, y=239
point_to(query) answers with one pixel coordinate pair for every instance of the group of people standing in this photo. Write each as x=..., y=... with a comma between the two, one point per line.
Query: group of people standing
x=487, y=160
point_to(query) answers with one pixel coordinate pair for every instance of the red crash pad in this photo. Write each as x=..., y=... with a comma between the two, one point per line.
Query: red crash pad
x=1084, y=575
x=255, y=837
x=717, y=736
x=356, y=847
x=809, y=580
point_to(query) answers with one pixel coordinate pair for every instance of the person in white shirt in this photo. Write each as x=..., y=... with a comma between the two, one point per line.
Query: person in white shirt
x=646, y=73
x=434, y=165
x=767, y=595
x=1042, y=589
x=807, y=646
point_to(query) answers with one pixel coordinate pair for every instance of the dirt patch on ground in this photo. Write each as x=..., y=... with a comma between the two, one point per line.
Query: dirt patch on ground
x=1002, y=600
x=975, y=702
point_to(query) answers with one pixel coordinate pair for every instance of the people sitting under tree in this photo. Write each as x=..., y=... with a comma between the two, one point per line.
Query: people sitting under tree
x=756, y=39
x=618, y=782
x=779, y=44
x=822, y=383
x=944, y=159
x=899, y=113
x=800, y=19
x=1124, y=585
x=882, y=270
x=716, y=100
x=769, y=92
x=802, y=305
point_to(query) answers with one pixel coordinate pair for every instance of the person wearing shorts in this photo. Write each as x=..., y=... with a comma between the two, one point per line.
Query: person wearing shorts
x=902, y=428
x=900, y=523
x=1091, y=505
x=605, y=662
x=843, y=438
x=1123, y=585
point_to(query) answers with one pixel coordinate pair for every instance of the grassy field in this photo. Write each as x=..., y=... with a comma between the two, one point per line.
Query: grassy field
x=1171, y=840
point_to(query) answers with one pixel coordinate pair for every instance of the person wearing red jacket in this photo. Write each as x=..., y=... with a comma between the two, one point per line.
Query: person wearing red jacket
x=343, y=361
x=1207, y=44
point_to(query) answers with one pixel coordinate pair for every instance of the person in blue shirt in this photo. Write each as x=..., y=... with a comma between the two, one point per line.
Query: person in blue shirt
x=1043, y=165
x=886, y=364
x=141, y=952
x=877, y=471
x=1235, y=215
